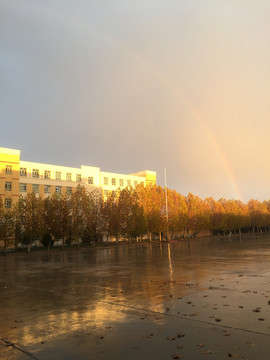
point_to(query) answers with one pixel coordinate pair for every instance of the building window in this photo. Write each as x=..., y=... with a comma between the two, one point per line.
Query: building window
x=78, y=177
x=47, y=189
x=91, y=180
x=105, y=181
x=128, y=182
x=35, y=188
x=8, y=169
x=68, y=176
x=23, y=172
x=47, y=174
x=121, y=182
x=23, y=187
x=35, y=173
x=106, y=192
x=8, y=203
x=58, y=189
x=8, y=186
x=58, y=175
x=135, y=183
x=68, y=190
x=113, y=181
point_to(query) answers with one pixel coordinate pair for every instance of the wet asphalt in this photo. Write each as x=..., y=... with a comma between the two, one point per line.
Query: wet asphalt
x=202, y=299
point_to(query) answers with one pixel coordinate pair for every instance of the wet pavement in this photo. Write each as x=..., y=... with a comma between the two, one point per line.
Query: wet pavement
x=203, y=299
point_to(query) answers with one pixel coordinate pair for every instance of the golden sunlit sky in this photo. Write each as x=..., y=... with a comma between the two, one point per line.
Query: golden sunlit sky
x=144, y=84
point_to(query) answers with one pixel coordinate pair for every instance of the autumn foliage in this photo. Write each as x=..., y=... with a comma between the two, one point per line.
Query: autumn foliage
x=129, y=214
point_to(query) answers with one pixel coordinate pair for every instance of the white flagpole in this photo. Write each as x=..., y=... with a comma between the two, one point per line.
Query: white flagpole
x=166, y=202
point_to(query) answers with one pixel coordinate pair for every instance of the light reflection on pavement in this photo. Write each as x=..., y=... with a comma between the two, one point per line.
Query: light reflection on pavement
x=134, y=301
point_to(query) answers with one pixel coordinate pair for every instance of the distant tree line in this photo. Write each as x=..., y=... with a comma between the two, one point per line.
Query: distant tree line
x=85, y=217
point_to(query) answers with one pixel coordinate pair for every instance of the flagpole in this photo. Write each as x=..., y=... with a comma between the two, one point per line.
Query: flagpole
x=167, y=220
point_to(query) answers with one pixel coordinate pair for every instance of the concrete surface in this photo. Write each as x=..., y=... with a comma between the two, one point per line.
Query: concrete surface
x=203, y=299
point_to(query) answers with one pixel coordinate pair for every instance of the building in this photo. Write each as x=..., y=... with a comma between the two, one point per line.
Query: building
x=19, y=177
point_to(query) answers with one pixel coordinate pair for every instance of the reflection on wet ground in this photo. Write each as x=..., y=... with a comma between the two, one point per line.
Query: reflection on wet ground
x=190, y=300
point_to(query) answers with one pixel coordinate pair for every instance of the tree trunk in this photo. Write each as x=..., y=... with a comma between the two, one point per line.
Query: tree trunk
x=29, y=246
x=240, y=233
x=64, y=242
x=160, y=236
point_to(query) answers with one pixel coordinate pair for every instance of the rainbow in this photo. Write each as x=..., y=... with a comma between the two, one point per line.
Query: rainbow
x=86, y=27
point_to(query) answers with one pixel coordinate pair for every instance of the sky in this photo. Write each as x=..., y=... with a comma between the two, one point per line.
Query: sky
x=129, y=85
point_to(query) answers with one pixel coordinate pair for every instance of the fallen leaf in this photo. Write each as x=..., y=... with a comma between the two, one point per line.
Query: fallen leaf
x=217, y=319
x=251, y=344
x=180, y=335
x=171, y=338
x=180, y=346
x=176, y=356
x=200, y=345
x=207, y=352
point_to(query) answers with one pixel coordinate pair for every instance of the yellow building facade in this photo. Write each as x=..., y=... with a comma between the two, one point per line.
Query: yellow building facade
x=19, y=177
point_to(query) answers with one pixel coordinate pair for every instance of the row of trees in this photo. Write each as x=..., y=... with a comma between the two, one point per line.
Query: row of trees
x=130, y=213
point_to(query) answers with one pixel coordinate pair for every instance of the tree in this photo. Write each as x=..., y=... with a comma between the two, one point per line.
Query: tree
x=93, y=215
x=78, y=223
x=198, y=214
x=177, y=212
x=217, y=212
x=7, y=226
x=152, y=199
x=258, y=213
x=131, y=214
x=29, y=219
x=111, y=217
x=57, y=219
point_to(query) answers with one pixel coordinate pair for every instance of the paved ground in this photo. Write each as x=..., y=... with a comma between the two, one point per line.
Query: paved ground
x=190, y=301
